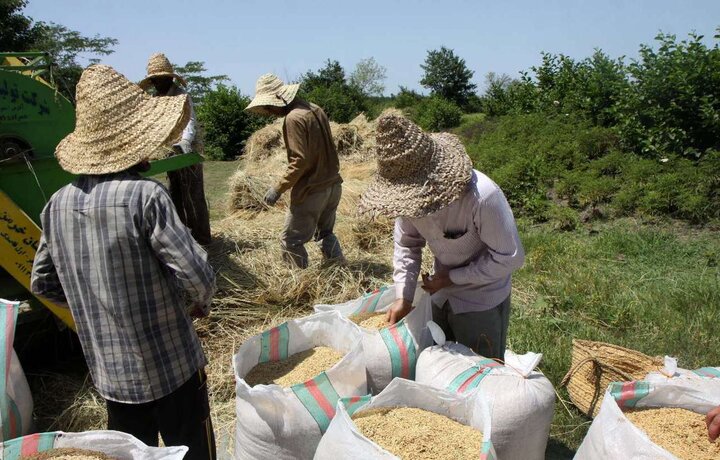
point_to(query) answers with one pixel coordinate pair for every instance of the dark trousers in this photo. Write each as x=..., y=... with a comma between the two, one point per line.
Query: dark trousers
x=483, y=331
x=182, y=418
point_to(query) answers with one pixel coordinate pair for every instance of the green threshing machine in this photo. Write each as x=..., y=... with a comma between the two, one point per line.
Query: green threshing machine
x=34, y=117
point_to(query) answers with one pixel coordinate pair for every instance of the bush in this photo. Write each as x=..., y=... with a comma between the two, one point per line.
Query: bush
x=435, y=114
x=533, y=156
x=225, y=123
x=407, y=98
x=329, y=89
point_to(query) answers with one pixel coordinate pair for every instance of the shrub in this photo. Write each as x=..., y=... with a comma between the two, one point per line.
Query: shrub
x=436, y=114
x=225, y=123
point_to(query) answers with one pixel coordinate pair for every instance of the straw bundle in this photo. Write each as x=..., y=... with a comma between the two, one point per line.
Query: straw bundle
x=681, y=432
x=371, y=233
x=412, y=433
x=247, y=192
x=68, y=453
x=265, y=142
x=596, y=364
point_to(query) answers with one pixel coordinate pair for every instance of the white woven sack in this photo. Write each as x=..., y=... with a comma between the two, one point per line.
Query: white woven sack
x=121, y=446
x=343, y=441
x=287, y=423
x=390, y=352
x=16, y=405
x=671, y=371
x=613, y=436
x=521, y=400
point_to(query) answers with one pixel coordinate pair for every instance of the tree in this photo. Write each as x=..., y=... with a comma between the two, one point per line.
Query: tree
x=226, y=124
x=329, y=89
x=446, y=75
x=368, y=77
x=17, y=32
x=66, y=47
x=198, y=84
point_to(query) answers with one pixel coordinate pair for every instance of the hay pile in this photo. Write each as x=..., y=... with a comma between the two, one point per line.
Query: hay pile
x=265, y=142
x=297, y=368
x=679, y=431
x=68, y=453
x=247, y=193
x=418, y=434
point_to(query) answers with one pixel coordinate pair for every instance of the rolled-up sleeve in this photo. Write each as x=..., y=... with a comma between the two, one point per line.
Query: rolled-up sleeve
x=407, y=258
x=504, y=253
x=189, y=132
x=176, y=249
x=44, y=280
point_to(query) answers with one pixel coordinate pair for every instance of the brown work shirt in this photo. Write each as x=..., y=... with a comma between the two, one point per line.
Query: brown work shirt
x=313, y=163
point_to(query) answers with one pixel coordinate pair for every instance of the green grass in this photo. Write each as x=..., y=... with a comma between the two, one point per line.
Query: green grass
x=216, y=174
x=655, y=289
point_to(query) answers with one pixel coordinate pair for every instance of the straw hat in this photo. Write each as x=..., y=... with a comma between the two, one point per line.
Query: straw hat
x=159, y=66
x=117, y=124
x=418, y=173
x=270, y=90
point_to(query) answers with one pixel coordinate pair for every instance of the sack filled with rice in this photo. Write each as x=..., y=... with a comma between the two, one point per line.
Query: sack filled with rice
x=390, y=351
x=102, y=444
x=522, y=400
x=409, y=420
x=658, y=420
x=288, y=382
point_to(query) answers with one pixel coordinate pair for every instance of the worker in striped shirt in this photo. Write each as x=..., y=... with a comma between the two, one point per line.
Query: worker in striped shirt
x=115, y=251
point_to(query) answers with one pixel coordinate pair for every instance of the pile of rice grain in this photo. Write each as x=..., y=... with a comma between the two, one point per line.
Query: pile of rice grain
x=417, y=434
x=68, y=453
x=297, y=368
x=372, y=320
x=679, y=431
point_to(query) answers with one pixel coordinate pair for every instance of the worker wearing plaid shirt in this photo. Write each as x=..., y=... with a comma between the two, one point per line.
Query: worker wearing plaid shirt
x=114, y=249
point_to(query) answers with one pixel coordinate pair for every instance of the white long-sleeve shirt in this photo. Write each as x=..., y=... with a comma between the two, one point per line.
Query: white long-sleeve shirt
x=474, y=240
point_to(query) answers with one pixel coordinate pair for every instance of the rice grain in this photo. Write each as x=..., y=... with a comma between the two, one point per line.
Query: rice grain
x=679, y=431
x=372, y=320
x=68, y=453
x=297, y=368
x=417, y=434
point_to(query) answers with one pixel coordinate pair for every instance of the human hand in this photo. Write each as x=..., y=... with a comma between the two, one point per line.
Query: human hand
x=183, y=146
x=712, y=421
x=433, y=283
x=398, y=310
x=271, y=197
x=199, y=311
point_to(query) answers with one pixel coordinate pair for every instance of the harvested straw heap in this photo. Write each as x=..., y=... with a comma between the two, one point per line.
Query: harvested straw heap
x=68, y=453
x=374, y=321
x=247, y=192
x=418, y=434
x=679, y=431
x=297, y=368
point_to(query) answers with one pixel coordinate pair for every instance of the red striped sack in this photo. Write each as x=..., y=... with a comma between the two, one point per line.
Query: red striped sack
x=16, y=404
x=287, y=423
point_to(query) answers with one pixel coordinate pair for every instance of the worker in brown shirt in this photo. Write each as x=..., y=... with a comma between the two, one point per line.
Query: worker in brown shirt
x=313, y=171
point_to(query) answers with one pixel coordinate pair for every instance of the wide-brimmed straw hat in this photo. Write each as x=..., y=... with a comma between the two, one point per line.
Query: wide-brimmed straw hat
x=271, y=91
x=117, y=124
x=159, y=66
x=418, y=173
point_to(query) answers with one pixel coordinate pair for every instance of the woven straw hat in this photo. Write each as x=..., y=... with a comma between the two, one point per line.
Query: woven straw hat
x=117, y=124
x=159, y=66
x=418, y=173
x=270, y=90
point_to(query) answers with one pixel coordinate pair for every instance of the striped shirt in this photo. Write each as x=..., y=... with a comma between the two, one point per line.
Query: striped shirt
x=474, y=240
x=114, y=248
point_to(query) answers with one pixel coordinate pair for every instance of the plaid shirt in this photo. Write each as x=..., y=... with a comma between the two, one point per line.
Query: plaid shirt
x=114, y=247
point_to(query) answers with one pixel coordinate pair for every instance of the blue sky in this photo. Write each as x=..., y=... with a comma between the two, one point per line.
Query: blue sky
x=244, y=39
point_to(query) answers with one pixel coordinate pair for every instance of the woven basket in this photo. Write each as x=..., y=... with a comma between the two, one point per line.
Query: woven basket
x=596, y=364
